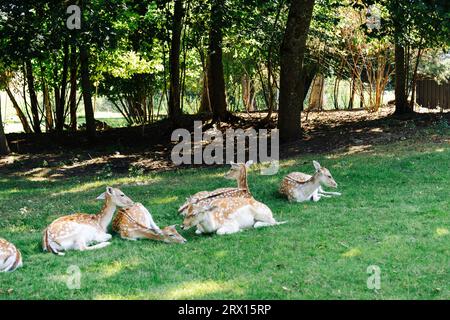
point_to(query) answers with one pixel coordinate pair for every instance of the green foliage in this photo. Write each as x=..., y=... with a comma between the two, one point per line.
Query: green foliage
x=435, y=65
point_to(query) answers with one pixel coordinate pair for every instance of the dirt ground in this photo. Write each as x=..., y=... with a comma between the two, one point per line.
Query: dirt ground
x=148, y=148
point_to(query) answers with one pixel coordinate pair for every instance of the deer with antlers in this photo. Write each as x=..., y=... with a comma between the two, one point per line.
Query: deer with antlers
x=238, y=172
x=136, y=222
x=78, y=231
x=10, y=256
x=300, y=187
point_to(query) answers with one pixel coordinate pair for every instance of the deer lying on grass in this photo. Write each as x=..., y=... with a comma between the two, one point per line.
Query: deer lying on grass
x=10, y=256
x=78, y=231
x=238, y=172
x=299, y=187
x=228, y=215
x=136, y=222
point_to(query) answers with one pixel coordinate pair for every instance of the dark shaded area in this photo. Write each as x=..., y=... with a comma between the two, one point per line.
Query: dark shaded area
x=148, y=148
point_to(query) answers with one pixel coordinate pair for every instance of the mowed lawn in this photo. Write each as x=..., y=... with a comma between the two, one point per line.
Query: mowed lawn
x=394, y=214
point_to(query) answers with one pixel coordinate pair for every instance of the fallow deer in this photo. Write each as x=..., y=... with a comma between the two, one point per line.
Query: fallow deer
x=78, y=231
x=10, y=256
x=228, y=215
x=238, y=172
x=299, y=187
x=136, y=222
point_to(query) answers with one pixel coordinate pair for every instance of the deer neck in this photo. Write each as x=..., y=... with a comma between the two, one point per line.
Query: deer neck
x=242, y=180
x=105, y=215
x=308, y=187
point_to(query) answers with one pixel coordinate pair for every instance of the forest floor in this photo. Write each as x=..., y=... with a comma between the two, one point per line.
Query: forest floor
x=392, y=217
x=143, y=149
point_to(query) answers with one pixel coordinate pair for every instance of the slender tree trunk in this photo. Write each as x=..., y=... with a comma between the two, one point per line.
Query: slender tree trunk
x=87, y=92
x=205, y=105
x=48, y=109
x=291, y=75
x=316, y=99
x=216, y=81
x=60, y=119
x=401, y=99
x=336, y=93
x=352, y=92
x=414, y=80
x=19, y=112
x=307, y=79
x=4, y=147
x=73, y=88
x=33, y=97
x=174, y=87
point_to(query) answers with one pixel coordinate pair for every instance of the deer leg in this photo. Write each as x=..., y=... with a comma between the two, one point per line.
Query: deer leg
x=324, y=195
x=102, y=237
x=259, y=224
x=315, y=196
x=7, y=264
x=98, y=246
x=228, y=228
x=323, y=192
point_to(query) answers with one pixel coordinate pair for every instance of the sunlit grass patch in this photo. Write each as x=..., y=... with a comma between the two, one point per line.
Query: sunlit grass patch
x=393, y=213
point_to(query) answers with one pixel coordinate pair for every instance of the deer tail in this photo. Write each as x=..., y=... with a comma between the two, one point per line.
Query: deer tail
x=47, y=244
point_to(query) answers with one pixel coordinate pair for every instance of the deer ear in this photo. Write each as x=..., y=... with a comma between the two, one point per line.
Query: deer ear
x=249, y=163
x=109, y=190
x=316, y=165
x=102, y=196
x=233, y=164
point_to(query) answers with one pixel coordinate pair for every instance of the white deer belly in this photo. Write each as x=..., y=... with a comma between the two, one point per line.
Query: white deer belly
x=244, y=217
x=303, y=194
x=82, y=234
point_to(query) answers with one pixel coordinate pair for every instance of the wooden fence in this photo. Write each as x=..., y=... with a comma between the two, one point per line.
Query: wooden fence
x=430, y=94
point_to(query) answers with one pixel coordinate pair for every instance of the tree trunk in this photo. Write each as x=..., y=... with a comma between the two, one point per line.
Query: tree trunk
x=87, y=92
x=401, y=99
x=352, y=92
x=19, y=112
x=248, y=93
x=414, y=79
x=60, y=119
x=307, y=78
x=174, y=87
x=291, y=75
x=316, y=99
x=48, y=109
x=4, y=147
x=33, y=97
x=205, y=106
x=73, y=88
x=336, y=93
x=216, y=81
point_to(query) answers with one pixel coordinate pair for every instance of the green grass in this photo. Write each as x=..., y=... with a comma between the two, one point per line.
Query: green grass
x=394, y=213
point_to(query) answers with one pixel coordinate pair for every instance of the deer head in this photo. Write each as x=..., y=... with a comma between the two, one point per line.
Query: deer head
x=171, y=235
x=238, y=170
x=116, y=197
x=195, y=214
x=324, y=175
